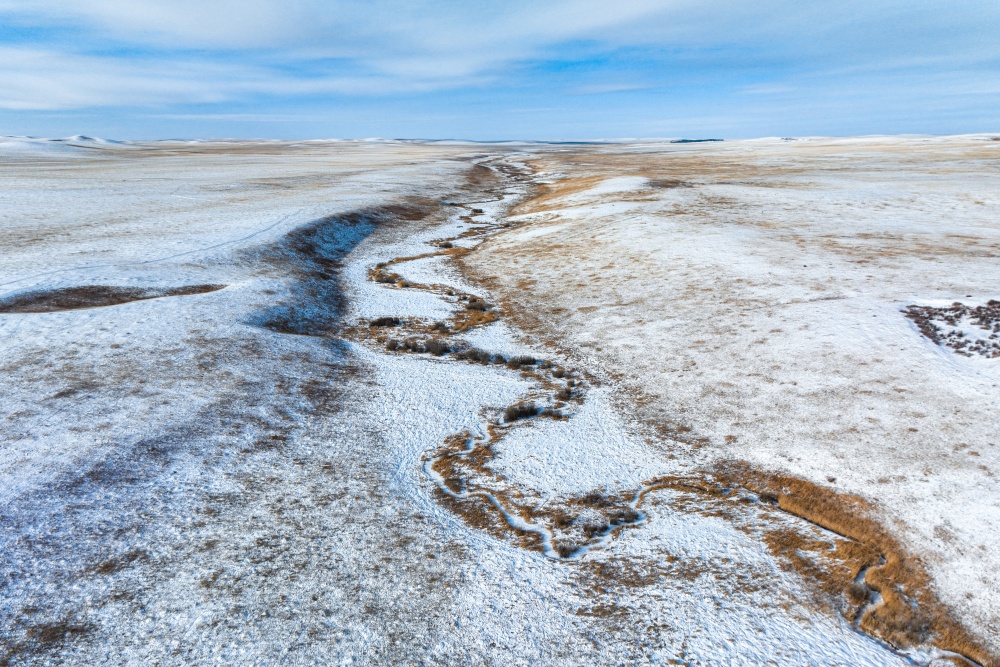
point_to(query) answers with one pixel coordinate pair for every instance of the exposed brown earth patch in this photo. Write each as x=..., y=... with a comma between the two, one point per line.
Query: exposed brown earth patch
x=92, y=296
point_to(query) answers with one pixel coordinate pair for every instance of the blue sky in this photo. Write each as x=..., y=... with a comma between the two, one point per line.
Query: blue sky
x=559, y=70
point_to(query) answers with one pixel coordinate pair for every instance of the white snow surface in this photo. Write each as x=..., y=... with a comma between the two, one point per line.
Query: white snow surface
x=183, y=484
x=758, y=302
x=592, y=450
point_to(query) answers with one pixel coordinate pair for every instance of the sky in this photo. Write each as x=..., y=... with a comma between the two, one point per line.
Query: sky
x=512, y=69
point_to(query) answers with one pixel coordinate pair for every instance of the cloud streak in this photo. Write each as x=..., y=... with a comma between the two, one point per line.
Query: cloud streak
x=63, y=54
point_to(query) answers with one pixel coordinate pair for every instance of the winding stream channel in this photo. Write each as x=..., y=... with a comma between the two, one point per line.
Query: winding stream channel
x=529, y=452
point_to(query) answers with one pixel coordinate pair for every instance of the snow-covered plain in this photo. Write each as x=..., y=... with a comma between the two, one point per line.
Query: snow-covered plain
x=189, y=480
x=753, y=291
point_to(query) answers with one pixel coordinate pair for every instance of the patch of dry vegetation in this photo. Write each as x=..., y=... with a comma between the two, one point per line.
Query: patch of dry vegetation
x=910, y=613
x=932, y=321
x=92, y=296
x=39, y=638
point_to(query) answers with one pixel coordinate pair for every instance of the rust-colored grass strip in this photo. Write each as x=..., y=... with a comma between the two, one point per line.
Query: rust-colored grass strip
x=910, y=613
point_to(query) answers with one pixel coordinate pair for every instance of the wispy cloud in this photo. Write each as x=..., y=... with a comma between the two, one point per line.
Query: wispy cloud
x=67, y=54
x=604, y=88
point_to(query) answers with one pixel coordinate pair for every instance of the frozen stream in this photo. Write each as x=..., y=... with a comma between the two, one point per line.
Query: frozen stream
x=684, y=587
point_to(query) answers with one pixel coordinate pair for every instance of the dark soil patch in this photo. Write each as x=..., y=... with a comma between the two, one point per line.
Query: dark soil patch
x=92, y=296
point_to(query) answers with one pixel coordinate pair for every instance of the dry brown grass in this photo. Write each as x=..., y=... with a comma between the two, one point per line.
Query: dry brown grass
x=471, y=319
x=910, y=613
x=468, y=480
x=546, y=197
x=121, y=562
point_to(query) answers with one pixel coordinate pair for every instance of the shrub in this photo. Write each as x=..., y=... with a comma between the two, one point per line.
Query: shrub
x=475, y=354
x=593, y=529
x=392, y=345
x=595, y=499
x=517, y=362
x=440, y=327
x=622, y=516
x=564, y=394
x=521, y=410
x=437, y=347
x=565, y=549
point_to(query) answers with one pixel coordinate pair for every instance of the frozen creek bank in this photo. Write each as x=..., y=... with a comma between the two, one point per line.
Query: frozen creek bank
x=249, y=475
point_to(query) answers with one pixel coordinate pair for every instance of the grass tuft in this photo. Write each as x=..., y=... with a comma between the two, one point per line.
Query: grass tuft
x=520, y=410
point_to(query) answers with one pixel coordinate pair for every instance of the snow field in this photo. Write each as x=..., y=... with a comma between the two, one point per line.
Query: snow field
x=757, y=299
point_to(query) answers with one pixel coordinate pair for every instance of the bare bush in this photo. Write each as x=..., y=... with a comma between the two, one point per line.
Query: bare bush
x=520, y=410
x=437, y=347
x=623, y=516
x=522, y=360
x=595, y=528
x=596, y=499
x=475, y=354
x=565, y=549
